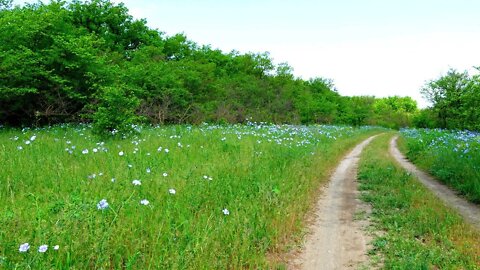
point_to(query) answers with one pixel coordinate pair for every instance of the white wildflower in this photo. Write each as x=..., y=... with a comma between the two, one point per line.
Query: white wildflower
x=24, y=247
x=42, y=248
x=103, y=204
x=136, y=182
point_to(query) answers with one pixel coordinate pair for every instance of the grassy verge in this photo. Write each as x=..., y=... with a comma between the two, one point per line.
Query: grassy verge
x=418, y=231
x=181, y=197
x=453, y=157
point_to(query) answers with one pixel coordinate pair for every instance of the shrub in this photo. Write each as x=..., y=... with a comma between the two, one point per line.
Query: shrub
x=115, y=113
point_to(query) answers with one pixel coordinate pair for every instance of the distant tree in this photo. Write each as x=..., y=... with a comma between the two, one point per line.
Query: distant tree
x=448, y=95
x=394, y=112
x=318, y=102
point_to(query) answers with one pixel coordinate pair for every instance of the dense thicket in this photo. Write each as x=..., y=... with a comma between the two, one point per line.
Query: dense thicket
x=90, y=61
x=455, y=99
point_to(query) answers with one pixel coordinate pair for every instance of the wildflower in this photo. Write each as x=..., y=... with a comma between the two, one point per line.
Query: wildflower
x=27, y=142
x=172, y=191
x=166, y=150
x=33, y=138
x=160, y=149
x=95, y=150
x=56, y=247
x=144, y=202
x=85, y=151
x=121, y=153
x=24, y=247
x=130, y=165
x=136, y=182
x=103, y=204
x=19, y=147
x=226, y=212
x=148, y=170
x=42, y=248
x=113, y=180
x=165, y=174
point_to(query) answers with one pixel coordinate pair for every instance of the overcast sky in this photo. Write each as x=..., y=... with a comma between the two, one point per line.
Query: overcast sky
x=368, y=47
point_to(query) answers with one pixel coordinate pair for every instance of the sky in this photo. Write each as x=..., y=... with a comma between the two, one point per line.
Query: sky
x=367, y=47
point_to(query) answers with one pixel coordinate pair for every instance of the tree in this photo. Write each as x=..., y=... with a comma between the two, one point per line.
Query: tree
x=447, y=96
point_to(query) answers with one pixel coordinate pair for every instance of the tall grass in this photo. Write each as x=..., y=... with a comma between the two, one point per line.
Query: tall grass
x=218, y=196
x=452, y=156
x=417, y=231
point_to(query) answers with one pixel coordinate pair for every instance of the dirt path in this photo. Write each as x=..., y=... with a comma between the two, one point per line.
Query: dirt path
x=337, y=239
x=468, y=210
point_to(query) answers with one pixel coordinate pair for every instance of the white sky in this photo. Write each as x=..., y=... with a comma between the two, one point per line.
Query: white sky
x=368, y=47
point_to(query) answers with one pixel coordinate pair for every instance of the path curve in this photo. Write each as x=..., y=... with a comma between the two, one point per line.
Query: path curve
x=468, y=210
x=336, y=240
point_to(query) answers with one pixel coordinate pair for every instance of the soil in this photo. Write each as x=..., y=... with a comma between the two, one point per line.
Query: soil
x=337, y=238
x=470, y=211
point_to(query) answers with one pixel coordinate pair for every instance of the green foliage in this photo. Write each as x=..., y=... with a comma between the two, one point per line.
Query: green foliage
x=417, y=230
x=455, y=97
x=424, y=119
x=115, y=112
x=320, y=104
x=395, y=112
x=57, y=59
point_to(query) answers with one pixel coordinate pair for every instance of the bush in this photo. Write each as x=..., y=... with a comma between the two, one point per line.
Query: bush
x=115, y=113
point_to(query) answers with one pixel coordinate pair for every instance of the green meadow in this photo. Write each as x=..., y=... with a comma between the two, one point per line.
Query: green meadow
x=172, y=197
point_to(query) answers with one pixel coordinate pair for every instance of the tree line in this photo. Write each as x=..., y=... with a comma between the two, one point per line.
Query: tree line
x=90, y=61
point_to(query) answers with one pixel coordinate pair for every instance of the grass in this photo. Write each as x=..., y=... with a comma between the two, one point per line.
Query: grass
x=266, y=176
x=417, y=230
x=451, y=156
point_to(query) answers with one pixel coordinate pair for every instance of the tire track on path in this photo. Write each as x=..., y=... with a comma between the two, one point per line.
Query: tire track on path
x=470, y=211
x=336, y=240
